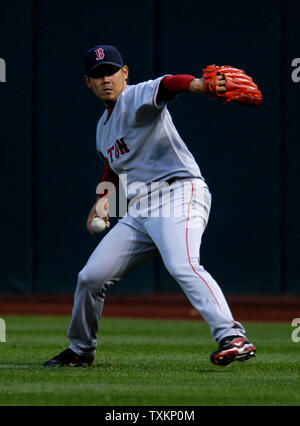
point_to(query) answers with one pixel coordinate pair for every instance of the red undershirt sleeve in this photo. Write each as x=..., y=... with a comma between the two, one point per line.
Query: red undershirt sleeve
x=177, y=83
x=108, y=176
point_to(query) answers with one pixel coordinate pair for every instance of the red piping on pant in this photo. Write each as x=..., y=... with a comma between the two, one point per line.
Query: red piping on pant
x=188, y=252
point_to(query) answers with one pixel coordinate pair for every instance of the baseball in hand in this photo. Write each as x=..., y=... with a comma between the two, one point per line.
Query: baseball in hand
x=98, y=225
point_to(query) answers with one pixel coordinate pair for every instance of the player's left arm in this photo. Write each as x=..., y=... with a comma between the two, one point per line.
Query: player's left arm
x=172, y=85
x=108, y=177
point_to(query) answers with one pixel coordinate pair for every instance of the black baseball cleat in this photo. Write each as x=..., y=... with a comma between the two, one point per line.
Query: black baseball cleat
x=233, y=348
x=69, y=358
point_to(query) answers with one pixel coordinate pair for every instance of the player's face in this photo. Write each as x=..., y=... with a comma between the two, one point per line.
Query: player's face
x=107, y=82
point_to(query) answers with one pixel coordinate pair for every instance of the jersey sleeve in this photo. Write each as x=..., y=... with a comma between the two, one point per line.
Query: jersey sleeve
x=154, y=99
x=141, y=102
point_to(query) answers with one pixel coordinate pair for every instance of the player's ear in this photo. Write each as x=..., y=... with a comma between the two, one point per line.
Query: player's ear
x=87, y=81
x=125, y=71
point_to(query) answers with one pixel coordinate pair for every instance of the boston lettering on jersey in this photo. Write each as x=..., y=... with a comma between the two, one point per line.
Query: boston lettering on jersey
x=119, y=148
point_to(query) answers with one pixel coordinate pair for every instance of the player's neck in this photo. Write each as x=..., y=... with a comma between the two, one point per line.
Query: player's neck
x=109, y=105
x=110, y=109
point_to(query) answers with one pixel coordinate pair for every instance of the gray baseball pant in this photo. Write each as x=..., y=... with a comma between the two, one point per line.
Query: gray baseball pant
x=137, y=238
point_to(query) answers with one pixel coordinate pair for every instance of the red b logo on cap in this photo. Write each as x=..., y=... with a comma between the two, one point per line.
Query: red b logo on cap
x=99, y=53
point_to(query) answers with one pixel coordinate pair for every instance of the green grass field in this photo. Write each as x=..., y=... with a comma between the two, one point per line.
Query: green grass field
x=146, y=362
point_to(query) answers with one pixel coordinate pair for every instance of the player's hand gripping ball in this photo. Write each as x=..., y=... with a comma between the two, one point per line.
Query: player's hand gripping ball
x=239, y=86
x=98, y=225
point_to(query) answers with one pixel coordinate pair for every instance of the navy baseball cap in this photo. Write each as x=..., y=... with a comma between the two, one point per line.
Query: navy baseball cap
x=102, y=54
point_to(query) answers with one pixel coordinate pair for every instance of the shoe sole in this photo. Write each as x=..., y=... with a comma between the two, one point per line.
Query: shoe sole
x=75, y=364
x=85, y=364
x=80, y=364
x=234, y=354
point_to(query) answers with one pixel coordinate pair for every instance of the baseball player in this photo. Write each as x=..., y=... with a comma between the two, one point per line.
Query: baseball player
x=138, y=141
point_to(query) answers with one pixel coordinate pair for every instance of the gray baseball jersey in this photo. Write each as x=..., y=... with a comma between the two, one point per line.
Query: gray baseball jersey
x=139, y=139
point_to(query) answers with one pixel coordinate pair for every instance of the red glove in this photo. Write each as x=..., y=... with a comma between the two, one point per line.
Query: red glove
x=239, y=86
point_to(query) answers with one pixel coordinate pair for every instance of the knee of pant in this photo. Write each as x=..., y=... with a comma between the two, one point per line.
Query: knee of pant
x=182, y=270
x=95, y=284
x=88, y=279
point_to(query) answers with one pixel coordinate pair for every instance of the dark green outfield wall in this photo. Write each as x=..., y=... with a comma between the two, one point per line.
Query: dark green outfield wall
x=249, y=157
